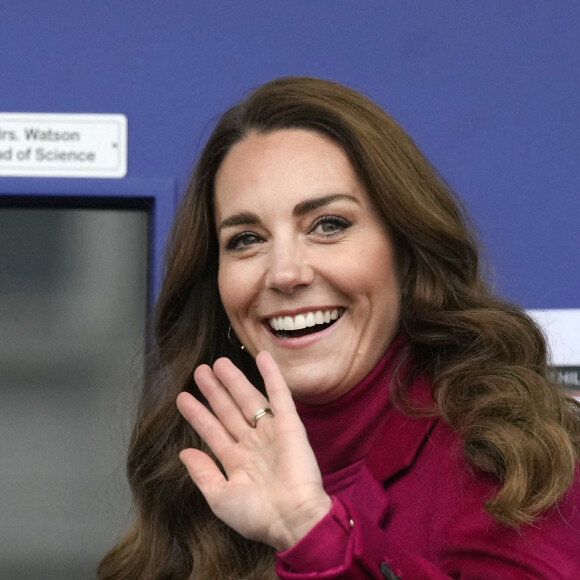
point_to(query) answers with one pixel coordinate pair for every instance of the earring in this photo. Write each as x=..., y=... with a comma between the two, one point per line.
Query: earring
x=234, y=340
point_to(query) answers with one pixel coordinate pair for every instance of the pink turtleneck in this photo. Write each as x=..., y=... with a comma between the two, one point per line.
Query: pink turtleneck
x=342, y=432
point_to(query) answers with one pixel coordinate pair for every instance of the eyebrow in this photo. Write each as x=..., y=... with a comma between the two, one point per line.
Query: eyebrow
x=239, y=219
x=301, y=209
x=309, y=205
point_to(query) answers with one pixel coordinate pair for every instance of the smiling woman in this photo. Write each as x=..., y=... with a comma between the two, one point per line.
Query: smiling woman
x=310, y=250
x=336, y=357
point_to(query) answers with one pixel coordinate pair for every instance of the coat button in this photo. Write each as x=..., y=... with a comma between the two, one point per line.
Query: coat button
x=387, y=572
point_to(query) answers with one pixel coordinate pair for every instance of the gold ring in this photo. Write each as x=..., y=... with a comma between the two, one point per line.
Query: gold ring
x=259, y=414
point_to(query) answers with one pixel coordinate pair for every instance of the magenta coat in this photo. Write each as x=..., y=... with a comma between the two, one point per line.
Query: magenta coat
x=416, y=513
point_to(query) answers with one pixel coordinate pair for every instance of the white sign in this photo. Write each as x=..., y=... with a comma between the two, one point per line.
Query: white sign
x=63, y=145
x=562, y=326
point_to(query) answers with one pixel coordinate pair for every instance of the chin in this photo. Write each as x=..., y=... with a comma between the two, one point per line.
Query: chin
x=315, y=390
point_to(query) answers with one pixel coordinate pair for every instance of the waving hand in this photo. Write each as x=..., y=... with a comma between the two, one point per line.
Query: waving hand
x=272, y=491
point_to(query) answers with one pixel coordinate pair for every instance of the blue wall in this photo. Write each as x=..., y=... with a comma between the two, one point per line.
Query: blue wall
x=489, y=90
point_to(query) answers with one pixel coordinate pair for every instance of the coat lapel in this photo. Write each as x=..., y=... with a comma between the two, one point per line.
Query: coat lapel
x=402, y=437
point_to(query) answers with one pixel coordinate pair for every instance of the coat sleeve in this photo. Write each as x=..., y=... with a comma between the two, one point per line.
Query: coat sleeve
x=346, y=546
x=349, y=545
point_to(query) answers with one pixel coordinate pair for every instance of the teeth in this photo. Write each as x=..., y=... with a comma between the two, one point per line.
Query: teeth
x=307, y=320
x=299, y=322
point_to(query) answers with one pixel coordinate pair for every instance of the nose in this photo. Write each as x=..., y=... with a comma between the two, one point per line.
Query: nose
x=288, y=268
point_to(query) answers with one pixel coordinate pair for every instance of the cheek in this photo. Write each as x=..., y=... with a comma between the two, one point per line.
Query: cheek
x=234, y=291
x=226, y=290
x=376, y=273
x=379, y=281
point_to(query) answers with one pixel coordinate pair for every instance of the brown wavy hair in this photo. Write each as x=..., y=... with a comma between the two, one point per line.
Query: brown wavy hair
x=487, y=359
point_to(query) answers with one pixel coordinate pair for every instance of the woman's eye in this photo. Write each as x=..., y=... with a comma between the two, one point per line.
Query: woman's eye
x=242, y=241
x=330, y=225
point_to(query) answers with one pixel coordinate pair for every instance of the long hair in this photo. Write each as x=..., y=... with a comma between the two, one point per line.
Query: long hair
x=486, y=359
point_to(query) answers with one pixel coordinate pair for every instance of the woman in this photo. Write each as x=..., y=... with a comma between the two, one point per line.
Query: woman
x=375, y=411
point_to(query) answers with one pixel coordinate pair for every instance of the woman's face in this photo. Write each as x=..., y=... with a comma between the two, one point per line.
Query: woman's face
x=306, y=267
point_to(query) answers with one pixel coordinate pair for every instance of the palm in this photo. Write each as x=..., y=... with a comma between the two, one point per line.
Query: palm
x=273, y=490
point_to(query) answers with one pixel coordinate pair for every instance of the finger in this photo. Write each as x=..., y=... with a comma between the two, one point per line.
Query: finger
x=220, y=400
x=203, y=471
x=246, y=396
x=278, y=392
x=208, y=427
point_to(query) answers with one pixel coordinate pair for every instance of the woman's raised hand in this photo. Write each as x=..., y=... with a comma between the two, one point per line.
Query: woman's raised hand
x=273, y=490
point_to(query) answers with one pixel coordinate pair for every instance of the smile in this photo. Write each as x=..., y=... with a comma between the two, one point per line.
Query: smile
x=304, y=323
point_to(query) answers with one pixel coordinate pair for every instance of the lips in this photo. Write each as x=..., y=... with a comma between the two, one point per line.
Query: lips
x=304, y=323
